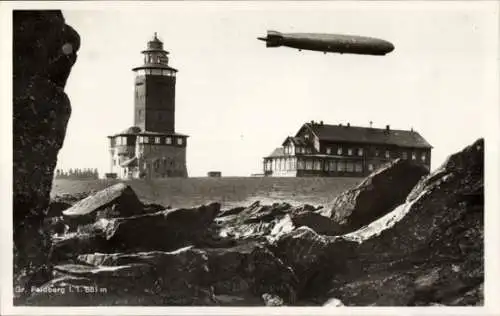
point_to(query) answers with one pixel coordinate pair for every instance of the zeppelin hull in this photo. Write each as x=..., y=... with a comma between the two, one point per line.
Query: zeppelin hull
x=334, y=43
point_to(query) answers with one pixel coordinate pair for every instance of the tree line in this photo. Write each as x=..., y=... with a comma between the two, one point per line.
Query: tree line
x=86, y=173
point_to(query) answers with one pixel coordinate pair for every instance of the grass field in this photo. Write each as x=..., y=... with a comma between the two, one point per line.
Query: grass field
x=178, y=192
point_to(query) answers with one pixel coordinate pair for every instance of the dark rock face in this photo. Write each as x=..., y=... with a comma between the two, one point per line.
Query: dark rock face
x=44, y=52
x=376, y=196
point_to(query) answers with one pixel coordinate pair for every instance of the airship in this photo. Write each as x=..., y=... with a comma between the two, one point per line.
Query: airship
x=334, y=43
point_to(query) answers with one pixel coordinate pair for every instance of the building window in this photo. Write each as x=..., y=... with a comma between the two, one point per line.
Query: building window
x=387, y=154
x=289, y=164
x=333, y=165
x=179, y=141
x=349, y=167
x=118, y=141
x=349, y=151
x=423, y=157
x=275, y=164
x=326, y=165
x=360, y=152
x=328, y=150
x=309, y=164
x=309, y=150
x=157, y=140
x=358, y=167
x=168, y=140
x=300, y=164
x=146, y=140
x=339, y=151
x=370, y=167
x=376, y=153
x=317, y=165
x=341, y=166
x=306, y=136
x=405, y=155
x=413, y=156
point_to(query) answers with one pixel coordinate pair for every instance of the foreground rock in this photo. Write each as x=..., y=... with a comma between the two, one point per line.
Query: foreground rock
x=376, y=196
x=165, y=230
x=118, y=200
x=238, y=276
x=429, y=250
x=44, y=52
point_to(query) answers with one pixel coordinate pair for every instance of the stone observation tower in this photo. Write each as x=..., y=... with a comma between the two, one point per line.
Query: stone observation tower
x=151, y=148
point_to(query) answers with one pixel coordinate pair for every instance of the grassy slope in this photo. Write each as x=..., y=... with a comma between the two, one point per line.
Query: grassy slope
x=178, y=192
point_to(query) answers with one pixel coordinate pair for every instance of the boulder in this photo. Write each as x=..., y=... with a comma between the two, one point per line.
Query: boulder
x=44, y=50
x=118, y=200
x=248, y=271
x=376, y=195
x=257, y=221
x=165, y=230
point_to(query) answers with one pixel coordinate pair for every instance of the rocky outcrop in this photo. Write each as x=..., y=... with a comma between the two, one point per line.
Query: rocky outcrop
x=44, y=52
x=428, y=250
x=377, y=195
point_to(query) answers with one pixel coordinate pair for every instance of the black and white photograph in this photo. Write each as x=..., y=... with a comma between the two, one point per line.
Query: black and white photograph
x=220, y=156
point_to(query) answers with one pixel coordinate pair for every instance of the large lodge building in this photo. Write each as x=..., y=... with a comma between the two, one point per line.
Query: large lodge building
x=344, y=151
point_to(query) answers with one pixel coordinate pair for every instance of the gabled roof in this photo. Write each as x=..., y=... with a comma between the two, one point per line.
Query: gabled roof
x=296, y=141
x=367, y=135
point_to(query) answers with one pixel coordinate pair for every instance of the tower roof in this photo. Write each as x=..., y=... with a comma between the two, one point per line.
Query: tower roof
x=155, y=45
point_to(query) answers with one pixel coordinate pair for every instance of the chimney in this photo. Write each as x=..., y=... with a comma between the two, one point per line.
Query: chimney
x=312, y=122
x=412, y=129
x=340, y=124
x=348, y=124
x=371, y=123
x=321, y=123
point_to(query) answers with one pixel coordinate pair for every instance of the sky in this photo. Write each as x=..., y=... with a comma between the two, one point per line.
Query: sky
x=238, y=100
